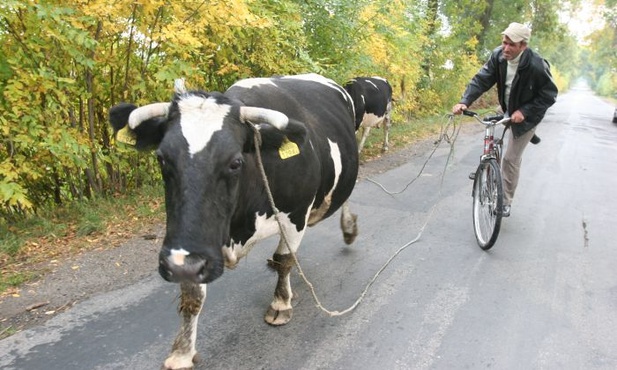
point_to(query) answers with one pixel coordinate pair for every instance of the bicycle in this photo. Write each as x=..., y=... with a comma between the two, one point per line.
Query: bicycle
x=487, y=184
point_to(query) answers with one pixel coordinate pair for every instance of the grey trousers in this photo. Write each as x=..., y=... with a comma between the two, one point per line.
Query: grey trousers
x=511, y=163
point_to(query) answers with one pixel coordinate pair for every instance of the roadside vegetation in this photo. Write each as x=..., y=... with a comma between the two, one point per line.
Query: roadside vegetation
x=30, y=243
x=67, y=187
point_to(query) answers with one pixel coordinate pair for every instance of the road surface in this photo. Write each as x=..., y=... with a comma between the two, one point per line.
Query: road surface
x=545, y=296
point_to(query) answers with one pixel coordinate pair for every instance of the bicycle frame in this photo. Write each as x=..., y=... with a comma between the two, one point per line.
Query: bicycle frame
x=492, y=146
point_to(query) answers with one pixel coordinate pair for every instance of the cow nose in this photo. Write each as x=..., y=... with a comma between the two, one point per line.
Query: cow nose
x=179, y=266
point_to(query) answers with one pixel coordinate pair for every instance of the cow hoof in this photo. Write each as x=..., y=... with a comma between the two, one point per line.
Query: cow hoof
x=349, y=225
x=349, y=237
x=278, y=317
x=177, y=368
x=175, y=362
x=196, y=358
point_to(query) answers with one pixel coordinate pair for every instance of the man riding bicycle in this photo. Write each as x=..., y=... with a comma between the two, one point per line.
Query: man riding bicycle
x=525, y=89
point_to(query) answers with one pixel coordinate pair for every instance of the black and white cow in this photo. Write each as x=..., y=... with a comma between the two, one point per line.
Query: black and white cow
x=372, y=98
x=216, y=201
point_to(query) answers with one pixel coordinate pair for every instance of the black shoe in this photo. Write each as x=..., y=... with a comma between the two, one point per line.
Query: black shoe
x=505, y=212
x=535, y=139
x=472, y=176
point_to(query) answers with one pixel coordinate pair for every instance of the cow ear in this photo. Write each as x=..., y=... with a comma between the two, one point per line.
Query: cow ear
x=295, y=131
x=143, y=135
x=126, y=136
x=119, y=115
x=150, y=132
x=273, y=138
x=118, y=118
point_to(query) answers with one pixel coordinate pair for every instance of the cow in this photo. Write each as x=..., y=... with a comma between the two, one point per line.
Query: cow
x=217, y=203
x=372, y=98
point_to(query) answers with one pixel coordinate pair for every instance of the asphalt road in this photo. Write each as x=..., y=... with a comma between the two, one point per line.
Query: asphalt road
x=545, y=297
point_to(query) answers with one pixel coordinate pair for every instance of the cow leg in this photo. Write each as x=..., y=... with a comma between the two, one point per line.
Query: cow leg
x=365, y=132
x=386, y=133
x=280, y=310
x=349, y=224
x=183, y=353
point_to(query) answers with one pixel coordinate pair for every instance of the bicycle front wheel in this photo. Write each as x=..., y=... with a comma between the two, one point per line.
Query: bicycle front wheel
x=487, y=203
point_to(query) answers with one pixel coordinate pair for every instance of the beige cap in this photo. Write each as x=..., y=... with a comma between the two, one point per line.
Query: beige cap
x=517, y=32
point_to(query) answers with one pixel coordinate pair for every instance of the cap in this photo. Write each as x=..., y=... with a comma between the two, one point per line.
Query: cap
x=517, y=32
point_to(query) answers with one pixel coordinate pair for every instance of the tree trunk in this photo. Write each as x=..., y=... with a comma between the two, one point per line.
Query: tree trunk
x=95, y=176
x=485, y=23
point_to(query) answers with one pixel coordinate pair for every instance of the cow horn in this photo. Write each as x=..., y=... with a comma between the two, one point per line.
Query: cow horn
x=146, y=112
x=263, y=115
x=179, y=86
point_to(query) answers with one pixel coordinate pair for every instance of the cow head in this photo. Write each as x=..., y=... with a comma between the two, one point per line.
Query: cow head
x=203, y=143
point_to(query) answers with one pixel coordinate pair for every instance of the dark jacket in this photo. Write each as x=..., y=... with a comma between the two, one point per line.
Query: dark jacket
x=533, y=90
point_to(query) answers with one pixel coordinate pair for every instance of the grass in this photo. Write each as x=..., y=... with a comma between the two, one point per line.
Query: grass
x=25, y=247
x=7, y=332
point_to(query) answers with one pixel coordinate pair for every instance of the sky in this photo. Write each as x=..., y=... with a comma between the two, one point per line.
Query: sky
x=584, y=21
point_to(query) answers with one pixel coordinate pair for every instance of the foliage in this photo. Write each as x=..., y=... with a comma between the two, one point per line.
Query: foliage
x=600, y=54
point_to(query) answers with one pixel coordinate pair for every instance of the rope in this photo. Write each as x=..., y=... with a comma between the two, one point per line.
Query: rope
x=444, y=135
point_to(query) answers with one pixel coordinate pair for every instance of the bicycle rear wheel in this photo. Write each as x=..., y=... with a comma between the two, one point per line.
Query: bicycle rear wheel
x=487, y=203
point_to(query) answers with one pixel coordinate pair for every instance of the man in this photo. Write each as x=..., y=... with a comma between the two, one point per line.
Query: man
x=525, y=89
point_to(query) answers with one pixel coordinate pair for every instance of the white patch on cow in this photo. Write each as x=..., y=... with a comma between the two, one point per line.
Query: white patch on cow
x=379, y=78
x=318, y=213
x=200, y=119
x=322, y=80
x=372, y=83
x=371, y=120
x=335, y=154
x=310, y=77
x=177, y=256
x=252, y=82
x=264, y=228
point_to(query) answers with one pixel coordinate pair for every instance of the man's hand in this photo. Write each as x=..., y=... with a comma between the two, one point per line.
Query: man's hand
x=458, y=108
x=517, y=117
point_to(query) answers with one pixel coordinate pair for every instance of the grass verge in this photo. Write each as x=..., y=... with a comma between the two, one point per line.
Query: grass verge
x=72, y=229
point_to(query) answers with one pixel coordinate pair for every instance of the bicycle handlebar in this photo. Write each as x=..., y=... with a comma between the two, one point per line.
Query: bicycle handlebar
x=496, y=120
x=489, y=120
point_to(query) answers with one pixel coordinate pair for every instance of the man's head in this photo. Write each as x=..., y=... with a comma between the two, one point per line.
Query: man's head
x=515, y=39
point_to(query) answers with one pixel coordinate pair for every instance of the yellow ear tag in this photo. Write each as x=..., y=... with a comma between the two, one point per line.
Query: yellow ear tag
x=125, y=136
x=288, y=149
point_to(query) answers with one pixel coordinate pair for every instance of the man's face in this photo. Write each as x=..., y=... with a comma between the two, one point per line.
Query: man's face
x=512, y=49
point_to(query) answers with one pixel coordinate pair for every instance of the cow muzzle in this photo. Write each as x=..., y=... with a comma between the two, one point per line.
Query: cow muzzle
x=178, y=266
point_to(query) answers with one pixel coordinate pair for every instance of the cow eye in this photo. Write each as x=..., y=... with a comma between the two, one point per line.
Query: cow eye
x=236, y=164
x=161, y=160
